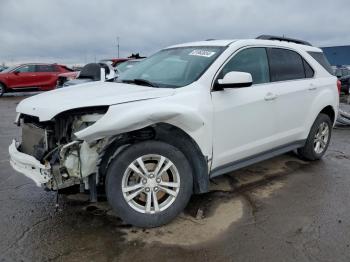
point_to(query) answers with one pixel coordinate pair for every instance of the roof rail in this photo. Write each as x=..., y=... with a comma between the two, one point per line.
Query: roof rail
x=286, y=39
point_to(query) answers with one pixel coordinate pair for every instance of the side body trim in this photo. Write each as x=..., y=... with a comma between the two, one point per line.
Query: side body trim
x=255, y=158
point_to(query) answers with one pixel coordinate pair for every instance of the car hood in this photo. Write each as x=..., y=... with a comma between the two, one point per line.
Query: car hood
x=47, y=105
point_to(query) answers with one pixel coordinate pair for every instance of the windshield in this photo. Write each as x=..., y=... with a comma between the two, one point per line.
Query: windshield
x=11, y=68
x=122, y=67
x=175, y=67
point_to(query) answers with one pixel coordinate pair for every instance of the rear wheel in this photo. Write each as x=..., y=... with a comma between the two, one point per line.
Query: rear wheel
x=318, y=140
x=2, y=89
x=149, y=183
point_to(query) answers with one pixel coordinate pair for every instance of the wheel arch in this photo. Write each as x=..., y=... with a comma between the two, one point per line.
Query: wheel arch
x=4, y=84
x=166, y=133
x=328, y=110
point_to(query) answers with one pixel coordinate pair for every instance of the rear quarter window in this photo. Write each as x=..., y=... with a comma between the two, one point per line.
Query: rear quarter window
x=322, y=60
x=309, y=72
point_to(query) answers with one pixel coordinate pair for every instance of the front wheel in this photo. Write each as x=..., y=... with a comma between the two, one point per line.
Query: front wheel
x=2, y=89
x=149, y=183
x=318, y=140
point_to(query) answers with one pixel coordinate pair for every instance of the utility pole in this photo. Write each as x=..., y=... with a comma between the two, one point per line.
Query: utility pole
x=118, y=45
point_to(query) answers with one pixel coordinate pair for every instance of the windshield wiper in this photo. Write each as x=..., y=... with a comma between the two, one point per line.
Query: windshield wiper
x=139, y=81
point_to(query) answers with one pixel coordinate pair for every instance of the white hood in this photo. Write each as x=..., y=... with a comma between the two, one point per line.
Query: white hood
x=49, y=104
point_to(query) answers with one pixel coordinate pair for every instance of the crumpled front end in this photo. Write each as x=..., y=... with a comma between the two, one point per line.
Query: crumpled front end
x=29, y=166
x=51, y=155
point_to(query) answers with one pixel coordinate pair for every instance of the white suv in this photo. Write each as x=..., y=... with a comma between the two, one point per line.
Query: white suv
x=188, y=113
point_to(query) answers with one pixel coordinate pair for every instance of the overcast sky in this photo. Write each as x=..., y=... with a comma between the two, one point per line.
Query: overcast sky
x=80, y=31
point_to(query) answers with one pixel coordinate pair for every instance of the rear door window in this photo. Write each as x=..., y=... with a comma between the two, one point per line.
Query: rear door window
x=285, y=65
x=45, y=68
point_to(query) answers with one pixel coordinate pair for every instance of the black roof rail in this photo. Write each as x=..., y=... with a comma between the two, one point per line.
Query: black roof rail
x=286, y=39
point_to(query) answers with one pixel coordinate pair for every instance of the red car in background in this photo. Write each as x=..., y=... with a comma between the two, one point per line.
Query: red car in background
x=27, y=77
x=64, y=77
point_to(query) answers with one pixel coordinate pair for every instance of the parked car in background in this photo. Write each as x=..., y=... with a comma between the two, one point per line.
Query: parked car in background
x=2, y=68
x=341, y=71
x=345, y=84
x=183, y=116
x=114, y=61
x=117, y=61
x=65, y=77
x=92, y=72
x=343, y=74
x=28, y=77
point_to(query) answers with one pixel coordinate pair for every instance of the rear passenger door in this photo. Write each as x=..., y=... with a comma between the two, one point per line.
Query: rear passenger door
x=293, y=80
x=46, y=76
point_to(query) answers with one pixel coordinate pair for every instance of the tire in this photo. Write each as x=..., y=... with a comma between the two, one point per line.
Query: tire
x=315, y=149
x=177, y=180
x=2, y=89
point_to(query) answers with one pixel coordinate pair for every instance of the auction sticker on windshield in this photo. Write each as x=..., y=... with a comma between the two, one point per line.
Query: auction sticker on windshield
x=202, y=53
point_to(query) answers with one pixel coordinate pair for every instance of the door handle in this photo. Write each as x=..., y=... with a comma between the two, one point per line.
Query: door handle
x=270, y=97
x=312, y=87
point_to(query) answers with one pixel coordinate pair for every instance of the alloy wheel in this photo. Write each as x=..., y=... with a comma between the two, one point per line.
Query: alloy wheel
x=150, y=184
x=321, y=138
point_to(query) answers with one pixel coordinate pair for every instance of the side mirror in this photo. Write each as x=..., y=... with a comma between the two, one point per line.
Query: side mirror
x=16, y=72
x=234, y=80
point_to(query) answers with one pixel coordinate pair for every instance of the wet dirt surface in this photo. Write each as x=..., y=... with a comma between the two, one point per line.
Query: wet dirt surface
x=283, y=209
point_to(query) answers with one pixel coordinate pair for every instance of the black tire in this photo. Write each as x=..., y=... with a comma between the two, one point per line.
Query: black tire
x=114, y=180
x=2, y=89
x=308, y=152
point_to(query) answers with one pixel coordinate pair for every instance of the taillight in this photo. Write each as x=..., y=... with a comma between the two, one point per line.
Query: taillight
x=339, y=86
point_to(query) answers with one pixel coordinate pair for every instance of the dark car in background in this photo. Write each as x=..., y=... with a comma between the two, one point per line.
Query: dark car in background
x=73, y=78
x=89, y=73
x=92, y=72
x=343, y=74
x=29, y=77
x=345, y=84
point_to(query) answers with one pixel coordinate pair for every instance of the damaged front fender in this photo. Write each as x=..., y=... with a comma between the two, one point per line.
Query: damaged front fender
x=128, y=117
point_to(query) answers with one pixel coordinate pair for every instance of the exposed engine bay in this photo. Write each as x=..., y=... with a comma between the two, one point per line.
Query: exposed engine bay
x=53, y=143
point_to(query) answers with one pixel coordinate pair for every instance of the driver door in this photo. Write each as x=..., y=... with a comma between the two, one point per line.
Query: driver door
x=244, y=121
x=22, y=77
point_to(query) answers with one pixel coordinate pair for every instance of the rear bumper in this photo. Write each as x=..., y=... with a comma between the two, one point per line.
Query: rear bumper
x=29, y=166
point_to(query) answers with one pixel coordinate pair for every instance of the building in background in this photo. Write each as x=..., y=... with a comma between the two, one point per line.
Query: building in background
x=337, y=55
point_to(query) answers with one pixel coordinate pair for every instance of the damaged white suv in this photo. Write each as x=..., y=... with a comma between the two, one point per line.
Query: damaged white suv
x=188, y=113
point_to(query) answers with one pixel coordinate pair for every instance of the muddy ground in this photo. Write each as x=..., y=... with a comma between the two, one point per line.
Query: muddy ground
x=283, y=209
